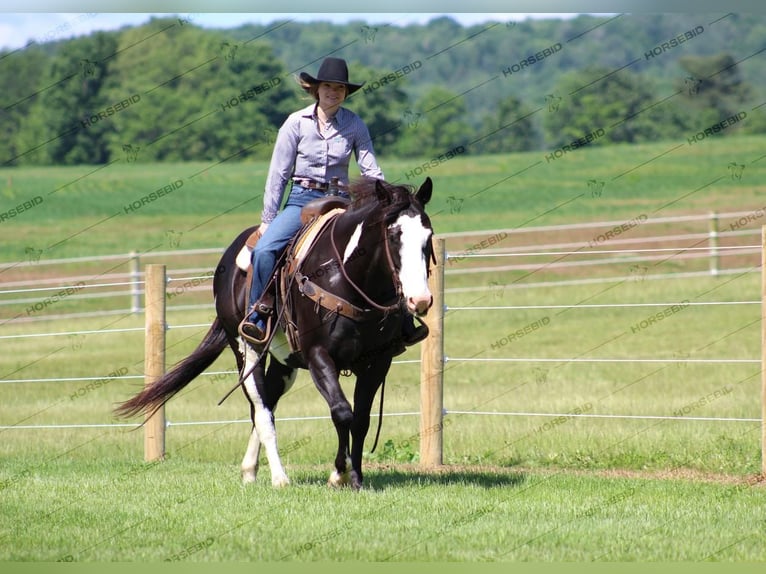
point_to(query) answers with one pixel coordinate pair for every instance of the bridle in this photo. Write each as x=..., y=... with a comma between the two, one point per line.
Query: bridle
x=336, y=304
x=385, y=309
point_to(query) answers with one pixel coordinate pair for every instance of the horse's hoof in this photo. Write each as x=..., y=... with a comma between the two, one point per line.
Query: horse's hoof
x=248, y=476
x=280, y=481
x=338, y=480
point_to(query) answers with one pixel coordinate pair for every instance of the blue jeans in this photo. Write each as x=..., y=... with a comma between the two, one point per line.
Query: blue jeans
x=285, y=225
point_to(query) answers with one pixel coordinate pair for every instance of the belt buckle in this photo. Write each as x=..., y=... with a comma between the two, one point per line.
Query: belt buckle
x=330, y=188
x=333, y=187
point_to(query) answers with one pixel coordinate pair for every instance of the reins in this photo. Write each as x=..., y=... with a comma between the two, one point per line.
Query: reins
x=385, y=309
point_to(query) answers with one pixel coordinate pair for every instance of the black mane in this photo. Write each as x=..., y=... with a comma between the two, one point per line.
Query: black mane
x=365, y=191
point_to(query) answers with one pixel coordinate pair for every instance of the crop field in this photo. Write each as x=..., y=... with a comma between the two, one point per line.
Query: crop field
x=616, y=420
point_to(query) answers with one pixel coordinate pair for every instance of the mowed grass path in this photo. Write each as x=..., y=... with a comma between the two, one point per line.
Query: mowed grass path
x=103, y=510
x=529, y=487
x=517, y=488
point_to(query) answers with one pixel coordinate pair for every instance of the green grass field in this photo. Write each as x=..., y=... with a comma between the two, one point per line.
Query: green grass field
x=87, y=210
x=599, y=487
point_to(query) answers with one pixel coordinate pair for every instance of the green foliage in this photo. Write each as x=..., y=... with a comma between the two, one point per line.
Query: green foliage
x=201, y=97
x=403, y=451
x=714, y=86
x=622, y=105
x=511, y=128
x=20, y=77
x=435, y=126
x=381, y=105
x=172, y=91
x=84, y=67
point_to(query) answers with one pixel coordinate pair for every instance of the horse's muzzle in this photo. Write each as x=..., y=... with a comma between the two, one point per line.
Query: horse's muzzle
x=420, y=305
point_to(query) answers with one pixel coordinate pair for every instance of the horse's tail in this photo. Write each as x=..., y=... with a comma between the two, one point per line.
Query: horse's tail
x=164, y=388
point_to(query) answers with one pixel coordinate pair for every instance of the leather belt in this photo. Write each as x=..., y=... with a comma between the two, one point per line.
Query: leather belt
x=311, y=184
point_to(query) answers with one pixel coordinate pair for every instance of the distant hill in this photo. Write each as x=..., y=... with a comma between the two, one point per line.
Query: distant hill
x=168, y=90
x=464, y=57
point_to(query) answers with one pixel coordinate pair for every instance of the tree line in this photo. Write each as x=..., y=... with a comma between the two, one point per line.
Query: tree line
x=170, y=90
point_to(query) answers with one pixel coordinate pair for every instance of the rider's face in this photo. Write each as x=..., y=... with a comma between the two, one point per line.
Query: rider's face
x=331, y=94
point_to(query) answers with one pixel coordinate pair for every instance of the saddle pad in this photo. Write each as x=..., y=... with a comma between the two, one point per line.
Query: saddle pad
x=306, y=240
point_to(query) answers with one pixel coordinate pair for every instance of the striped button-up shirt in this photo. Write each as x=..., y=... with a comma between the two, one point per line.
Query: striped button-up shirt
x=303, y=150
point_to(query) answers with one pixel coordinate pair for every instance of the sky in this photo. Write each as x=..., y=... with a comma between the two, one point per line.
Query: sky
x=48, y=20
x=18, y=29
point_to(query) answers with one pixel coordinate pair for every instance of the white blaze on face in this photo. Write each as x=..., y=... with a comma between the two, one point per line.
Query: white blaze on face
x=413, y=273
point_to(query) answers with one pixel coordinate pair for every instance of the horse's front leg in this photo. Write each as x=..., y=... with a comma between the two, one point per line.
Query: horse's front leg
x=368, y=382
x=262, y=413
x=325, y=377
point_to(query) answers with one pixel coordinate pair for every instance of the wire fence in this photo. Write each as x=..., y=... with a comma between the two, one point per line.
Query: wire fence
x=709, y=244
x=21, y=294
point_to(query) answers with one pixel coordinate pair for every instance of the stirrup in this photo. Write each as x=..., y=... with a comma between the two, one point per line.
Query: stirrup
x=256, y=335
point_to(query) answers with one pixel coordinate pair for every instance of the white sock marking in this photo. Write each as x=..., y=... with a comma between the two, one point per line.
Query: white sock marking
x=264, y=427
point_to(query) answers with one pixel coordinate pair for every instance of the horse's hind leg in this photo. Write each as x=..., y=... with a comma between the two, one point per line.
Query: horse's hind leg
x=263, y=394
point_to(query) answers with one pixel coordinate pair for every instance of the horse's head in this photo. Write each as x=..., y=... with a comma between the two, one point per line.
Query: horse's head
x=408, y=237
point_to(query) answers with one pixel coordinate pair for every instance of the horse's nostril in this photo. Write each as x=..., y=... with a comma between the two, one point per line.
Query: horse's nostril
x=420, y=305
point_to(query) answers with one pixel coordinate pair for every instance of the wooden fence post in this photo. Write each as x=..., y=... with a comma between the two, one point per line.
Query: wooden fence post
x=432, y=368
x=154, y=357
x=763, y=350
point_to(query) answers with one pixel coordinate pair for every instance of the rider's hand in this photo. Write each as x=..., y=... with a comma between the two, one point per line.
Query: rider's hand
x=262, y=228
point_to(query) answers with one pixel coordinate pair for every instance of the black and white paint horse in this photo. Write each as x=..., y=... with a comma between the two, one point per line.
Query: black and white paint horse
x=375, y=258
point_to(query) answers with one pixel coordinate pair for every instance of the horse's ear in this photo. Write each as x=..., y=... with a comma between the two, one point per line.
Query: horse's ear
x=424, y=193
x=381, y=192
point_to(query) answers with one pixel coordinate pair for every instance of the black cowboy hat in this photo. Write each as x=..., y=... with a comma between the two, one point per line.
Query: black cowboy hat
x=332, y=70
